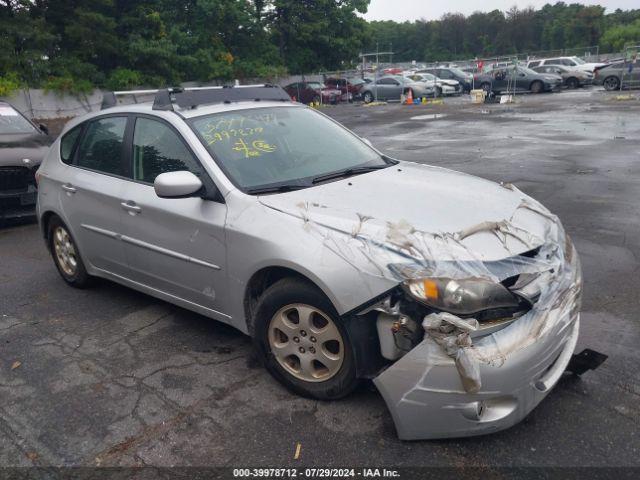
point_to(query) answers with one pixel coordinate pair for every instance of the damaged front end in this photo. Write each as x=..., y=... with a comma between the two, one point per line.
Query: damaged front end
x=482, y=321
x=485, y=340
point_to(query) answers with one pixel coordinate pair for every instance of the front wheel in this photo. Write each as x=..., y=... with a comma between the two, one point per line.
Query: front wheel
x=367, y=97
x=537, y=87
x=572, y=83
x=302, y=342
x=486, y=86
x=611, y=83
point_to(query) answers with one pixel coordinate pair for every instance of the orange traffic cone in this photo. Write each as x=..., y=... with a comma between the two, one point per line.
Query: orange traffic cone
x=409, y=100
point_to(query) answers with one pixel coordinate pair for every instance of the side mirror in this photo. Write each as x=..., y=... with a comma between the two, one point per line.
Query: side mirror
x=43, y=128
x=179, y=184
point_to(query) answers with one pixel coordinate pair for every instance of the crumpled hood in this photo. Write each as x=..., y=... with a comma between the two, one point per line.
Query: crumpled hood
x=16, y=147
x=408, y=198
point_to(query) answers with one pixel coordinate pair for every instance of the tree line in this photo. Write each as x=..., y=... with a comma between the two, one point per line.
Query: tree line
x=74, y=45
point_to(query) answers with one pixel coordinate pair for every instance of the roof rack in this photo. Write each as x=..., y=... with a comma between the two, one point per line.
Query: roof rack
x=195, y=96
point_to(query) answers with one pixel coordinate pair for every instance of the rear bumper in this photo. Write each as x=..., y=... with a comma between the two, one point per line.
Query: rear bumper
x=518, y=366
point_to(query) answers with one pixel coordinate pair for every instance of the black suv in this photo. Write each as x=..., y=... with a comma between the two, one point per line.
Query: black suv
x=23, y=145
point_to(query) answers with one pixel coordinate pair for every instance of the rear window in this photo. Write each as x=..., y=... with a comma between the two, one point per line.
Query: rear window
x=68, y=144
x=101, y=145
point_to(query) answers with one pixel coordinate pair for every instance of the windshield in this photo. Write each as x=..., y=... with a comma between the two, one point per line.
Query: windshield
x=459, y=72
x=315, y=85
x=269, y=146
x=12, y=122
x=578, y=60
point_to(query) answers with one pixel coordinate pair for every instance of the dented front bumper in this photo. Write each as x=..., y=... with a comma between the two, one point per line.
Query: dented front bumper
x=516, y=367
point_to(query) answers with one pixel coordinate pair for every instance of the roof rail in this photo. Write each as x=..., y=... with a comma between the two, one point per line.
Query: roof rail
x=194, y=96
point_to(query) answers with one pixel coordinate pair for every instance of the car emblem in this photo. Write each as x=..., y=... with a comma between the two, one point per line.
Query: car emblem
x=26, y=161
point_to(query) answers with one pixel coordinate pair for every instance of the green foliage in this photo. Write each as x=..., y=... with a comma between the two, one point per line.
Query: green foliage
x=67, y=85
x=618, y=36
x=70, y=45
x=9, y=84
x=123, y=79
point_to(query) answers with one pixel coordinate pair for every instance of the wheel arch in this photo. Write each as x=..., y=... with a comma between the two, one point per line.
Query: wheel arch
x=266, y=276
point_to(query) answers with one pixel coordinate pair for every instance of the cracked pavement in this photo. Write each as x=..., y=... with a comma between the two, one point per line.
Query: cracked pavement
x=111, y=377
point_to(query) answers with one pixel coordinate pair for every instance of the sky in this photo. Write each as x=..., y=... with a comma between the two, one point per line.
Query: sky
x=401, y=10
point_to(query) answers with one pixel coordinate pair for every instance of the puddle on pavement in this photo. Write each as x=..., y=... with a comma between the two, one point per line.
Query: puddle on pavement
x=431, y=116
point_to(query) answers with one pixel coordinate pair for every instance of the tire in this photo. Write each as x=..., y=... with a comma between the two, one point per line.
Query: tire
x=290, y=315
x=367, y=97
x=316, y=99
x=438, y=92
x=66, y=255
x=572, y=83
x=536, y=87
x=611, y=83
x=486, y=86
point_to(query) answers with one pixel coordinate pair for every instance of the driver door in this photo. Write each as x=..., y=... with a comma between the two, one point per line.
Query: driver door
x=173, y=245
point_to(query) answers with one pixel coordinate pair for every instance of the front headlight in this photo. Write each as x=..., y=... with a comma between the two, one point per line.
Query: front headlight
x=461, y=296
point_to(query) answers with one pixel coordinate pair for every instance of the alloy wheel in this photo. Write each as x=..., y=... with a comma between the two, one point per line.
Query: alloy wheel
x=65, y=251
x=306, y=342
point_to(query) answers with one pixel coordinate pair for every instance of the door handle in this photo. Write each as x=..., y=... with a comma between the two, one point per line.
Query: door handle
x=131, y=207
x=67, y=187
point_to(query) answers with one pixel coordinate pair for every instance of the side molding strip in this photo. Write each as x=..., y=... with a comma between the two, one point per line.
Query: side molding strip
x=150, y=246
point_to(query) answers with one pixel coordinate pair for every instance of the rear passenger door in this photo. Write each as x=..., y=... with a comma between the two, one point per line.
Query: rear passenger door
x=91, y=189
x=174, y=246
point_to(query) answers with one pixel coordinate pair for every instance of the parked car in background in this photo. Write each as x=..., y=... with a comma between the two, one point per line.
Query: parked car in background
x=572, y=62
x=23, y=145
x=445, y=73
x=349, y=87
x=519, y=79
x=612, y=75
x=571, y=76
x=442, y=87
x=307, y=92
x=392, y=87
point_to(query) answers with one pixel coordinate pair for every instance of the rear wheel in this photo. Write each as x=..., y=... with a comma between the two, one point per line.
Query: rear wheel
x=611, y=83
x=66, y=255
x=537, y=87
x=302, y=342
x=486, y=86
x=572, y=82
x=367, y=97
x=316, y=99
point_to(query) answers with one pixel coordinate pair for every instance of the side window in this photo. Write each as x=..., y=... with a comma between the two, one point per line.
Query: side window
x=101, y=146
x=534, y=64
x=158, y=149
x=68, y=143
x=568, y=62
x=553, y=62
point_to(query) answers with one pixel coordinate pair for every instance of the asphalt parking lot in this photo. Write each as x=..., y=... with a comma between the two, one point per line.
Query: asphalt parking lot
x=108, y=376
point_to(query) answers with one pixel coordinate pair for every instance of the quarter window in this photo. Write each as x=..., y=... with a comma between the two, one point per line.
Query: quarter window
x=68, y=143
x=158, y=149
x=101, y=145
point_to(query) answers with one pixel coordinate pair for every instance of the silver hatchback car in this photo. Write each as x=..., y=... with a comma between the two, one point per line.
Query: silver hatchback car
x=459, y=297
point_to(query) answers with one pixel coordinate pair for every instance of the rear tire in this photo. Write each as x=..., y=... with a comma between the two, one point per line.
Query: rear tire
x=301, y=341
x=486, y=86
x=66, y=255
x=537, y=87
x=367, y=97
x=611, y=83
